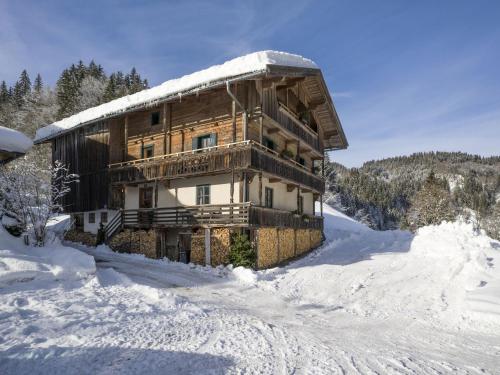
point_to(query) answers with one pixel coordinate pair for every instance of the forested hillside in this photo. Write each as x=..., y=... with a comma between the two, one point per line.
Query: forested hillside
x=420, y=189
x=27, y=104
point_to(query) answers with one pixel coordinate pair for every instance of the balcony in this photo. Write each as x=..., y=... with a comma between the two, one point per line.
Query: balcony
x=280, y=115
x=213, y=160
x=235, y=215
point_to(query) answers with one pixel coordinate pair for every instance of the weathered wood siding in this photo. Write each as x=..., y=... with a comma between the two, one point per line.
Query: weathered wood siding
x=86, y=152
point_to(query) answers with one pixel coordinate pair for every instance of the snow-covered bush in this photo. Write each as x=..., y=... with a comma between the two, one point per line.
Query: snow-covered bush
x=31, y=195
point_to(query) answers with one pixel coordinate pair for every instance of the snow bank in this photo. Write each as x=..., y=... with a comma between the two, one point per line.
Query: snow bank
x=447, y=273
x=14, y=141
x=251, y=63
x=52, y=262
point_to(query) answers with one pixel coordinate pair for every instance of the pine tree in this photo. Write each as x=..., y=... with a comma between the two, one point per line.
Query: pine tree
x=4, y=93
x=431, y=205
x=38, y=86
x=24, y=83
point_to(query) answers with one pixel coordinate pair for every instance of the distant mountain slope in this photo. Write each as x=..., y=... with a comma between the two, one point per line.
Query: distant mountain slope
x=381, y=192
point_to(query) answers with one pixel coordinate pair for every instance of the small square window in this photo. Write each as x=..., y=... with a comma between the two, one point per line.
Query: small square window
x=203, y=194
x=104, y=217
x=268, y=197
x=147, y=151
x=91, y=217
x=268, y=143
x=155, y=118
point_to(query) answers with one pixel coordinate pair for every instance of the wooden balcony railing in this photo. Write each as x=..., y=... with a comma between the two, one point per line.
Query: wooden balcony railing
x=275, y=111
x=236, y=214
x=218, y=159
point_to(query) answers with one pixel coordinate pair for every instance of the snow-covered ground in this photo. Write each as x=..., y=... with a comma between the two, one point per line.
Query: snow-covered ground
x=366, y=302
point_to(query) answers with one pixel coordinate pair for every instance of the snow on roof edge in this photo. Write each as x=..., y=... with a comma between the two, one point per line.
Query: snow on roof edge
x=251, y=63
x=14, y=141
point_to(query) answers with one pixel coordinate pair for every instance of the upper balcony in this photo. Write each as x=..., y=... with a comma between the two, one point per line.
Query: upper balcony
x=219, y=159
x=279, y=115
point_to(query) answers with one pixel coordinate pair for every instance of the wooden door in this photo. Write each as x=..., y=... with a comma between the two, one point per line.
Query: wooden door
x=184, y=247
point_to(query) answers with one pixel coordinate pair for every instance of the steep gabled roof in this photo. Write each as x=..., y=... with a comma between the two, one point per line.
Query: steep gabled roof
x=247, y=66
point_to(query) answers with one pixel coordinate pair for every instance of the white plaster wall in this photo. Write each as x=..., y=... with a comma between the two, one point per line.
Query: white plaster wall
x=283, y=199
x=131, y=197
x=93, y=227
x=182, y=192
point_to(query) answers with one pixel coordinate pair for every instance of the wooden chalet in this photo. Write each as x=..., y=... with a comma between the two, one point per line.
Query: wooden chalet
x=175, y=170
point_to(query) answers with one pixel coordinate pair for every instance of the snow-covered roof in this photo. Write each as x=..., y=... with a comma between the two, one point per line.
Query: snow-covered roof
x=249, y=64
x=13, y=141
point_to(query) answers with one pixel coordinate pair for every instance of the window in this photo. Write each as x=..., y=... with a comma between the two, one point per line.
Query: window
x=269, y=197
x=155, y=118
x=104, y=217
x=91, y=217
x=300, y=209
x=302, y=161
x=147, y=151
x=204, y=141
x=146, y=197
x=203, y=194
x=269, y=143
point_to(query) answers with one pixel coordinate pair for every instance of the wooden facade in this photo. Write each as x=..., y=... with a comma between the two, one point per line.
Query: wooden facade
x=273, y=126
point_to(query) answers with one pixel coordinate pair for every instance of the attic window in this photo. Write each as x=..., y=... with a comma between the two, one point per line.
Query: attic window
x=155, y=118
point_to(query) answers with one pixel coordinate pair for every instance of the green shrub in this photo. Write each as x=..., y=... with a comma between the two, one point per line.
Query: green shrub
x=242, y=252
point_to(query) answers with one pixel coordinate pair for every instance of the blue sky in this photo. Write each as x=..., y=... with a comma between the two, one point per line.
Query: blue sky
x=405, y=76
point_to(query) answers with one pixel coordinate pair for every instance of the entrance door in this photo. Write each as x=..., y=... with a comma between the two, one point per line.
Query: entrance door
x=184, y=247
x=145, y=202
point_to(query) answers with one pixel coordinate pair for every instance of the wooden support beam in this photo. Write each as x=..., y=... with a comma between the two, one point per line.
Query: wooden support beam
x=125, y=157
x=273, y=130
x=260, y=188
x=231, y=191
x=306, y=190
x=164, y=124
x=261, y=129
x=233, y=114
x=290, y=187
x=208, y=255
x=274, y=180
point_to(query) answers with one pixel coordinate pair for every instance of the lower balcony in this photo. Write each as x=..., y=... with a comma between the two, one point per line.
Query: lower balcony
x=212, y=160
x=236, y=215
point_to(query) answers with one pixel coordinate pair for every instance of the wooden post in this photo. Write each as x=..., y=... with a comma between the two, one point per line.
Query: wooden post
x=321, y=205
x=164, y=123
x=297, y=156
x=298, y=199
x=182, y=140
x=156, y=193
x=207, y=247
x=233, y=112
x=125, y=157
x=169, y=126
x=232, y=186
x=260, y=189
x=261, y=129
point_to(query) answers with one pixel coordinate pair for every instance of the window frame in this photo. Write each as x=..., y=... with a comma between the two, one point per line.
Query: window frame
x=268, y=197
x=155, y=116
x=142, y=191
x=197, y=141
x=147, y=147
x=91, y=218
x=205, y=196
x=104, y=214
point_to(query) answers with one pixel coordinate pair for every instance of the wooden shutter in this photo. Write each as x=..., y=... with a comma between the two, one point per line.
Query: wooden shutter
x=213, y=139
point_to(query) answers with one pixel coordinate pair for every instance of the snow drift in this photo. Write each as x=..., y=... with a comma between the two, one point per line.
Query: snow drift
x=444, y=273
x=19, y=262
